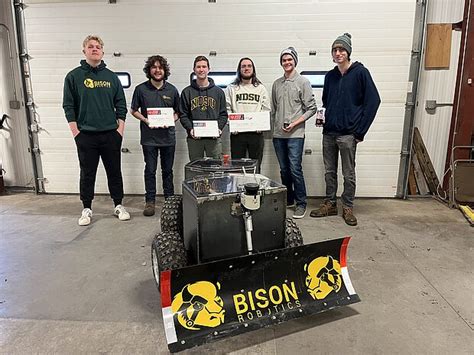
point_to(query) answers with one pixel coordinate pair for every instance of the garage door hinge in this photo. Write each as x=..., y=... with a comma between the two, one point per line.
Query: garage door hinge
x=36, y=150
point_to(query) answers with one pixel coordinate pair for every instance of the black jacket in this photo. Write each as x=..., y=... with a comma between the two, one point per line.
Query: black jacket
x=198, y=104
x=351, y=101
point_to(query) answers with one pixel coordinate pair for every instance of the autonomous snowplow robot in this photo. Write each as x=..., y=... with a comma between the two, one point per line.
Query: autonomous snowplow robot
x=228, y=261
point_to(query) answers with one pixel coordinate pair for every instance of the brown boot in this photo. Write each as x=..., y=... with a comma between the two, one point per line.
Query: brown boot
x=325, y=209
x=348, y=216
x=149, y=209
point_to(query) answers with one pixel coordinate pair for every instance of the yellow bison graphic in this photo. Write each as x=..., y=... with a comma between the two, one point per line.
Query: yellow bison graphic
x=89, y=83
x=198, y=305
x=324, y=276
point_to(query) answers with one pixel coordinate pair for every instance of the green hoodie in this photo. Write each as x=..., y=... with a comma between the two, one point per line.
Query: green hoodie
x=94, y=98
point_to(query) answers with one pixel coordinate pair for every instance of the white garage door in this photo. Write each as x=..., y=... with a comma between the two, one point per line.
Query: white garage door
x=180, y=30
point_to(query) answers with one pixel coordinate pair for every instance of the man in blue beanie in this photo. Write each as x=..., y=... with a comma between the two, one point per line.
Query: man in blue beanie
x=351, y=101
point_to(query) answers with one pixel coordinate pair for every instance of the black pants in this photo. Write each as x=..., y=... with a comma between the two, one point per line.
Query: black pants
x=250, y=142
x=150, y=154
x=90, y=147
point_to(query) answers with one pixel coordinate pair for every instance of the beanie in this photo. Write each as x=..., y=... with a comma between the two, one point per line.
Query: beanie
x=291, y=51
x=344, y=41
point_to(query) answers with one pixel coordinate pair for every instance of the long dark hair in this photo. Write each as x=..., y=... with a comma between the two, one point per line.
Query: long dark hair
x=151, y=62
x=238, y=78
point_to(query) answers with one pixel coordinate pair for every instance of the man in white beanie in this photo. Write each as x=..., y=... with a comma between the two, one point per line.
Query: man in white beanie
x=292, y=105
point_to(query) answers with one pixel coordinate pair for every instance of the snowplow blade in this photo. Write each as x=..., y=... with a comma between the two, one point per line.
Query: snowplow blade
x=211, y=301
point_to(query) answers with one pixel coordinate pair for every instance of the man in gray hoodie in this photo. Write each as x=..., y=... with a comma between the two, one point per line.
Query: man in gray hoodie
x=292, y=105
x=203, y=101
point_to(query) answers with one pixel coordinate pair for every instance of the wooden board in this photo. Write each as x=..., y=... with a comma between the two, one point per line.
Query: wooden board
x=438, y=46
x=419, y=177
x=425, y=162
x=412, y=181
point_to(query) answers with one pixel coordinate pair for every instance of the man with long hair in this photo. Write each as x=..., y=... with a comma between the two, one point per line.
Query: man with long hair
x=148, y=97
x=247, y=94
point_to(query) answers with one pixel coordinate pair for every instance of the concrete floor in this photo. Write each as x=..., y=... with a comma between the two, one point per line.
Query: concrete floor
x=71, y=289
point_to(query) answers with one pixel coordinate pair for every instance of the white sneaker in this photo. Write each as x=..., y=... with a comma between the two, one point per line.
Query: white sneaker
x=85, y=218
x=121, y=213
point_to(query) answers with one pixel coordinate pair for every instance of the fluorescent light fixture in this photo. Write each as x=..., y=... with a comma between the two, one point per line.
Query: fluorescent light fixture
x=221, y=78
x=125, y=79
x=316, y=78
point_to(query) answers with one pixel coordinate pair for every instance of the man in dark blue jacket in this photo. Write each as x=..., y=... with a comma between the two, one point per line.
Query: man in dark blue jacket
x=351, y=101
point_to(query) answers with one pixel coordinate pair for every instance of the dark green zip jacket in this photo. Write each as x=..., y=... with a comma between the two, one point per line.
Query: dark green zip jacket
x=94, y=98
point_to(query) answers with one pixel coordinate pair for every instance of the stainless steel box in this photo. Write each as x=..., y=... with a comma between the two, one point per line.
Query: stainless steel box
x=207, y=166
x=213, y=228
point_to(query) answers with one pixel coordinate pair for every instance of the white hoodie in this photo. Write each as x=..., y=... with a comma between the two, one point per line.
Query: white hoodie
x=247, y=98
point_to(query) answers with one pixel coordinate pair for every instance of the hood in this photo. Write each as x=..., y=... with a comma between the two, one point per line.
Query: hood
x=196, y=86
x=85, y=66
x=354, y=66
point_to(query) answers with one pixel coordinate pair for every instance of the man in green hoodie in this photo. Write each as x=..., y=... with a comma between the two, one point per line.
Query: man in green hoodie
x=203, y=101
x=95, y=108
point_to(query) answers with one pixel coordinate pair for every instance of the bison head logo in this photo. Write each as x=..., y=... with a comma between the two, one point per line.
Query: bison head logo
x=89, y=83
x=198, y=305
x=324, y=276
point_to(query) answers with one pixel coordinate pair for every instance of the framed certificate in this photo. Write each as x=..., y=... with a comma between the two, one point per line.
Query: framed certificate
x=249, y=121
x=206, y=129
x=159, y=117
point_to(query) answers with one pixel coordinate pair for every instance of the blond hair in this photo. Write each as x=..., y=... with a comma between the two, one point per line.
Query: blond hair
x=92, y=38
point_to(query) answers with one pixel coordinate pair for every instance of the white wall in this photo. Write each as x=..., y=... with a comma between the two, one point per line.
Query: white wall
x=14, y=154
x=180, y=30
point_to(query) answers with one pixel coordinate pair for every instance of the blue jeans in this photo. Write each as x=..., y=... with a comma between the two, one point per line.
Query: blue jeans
x=289, y=152
x=150, y=153
x=345, y=146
